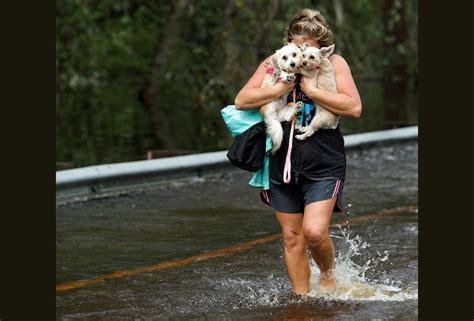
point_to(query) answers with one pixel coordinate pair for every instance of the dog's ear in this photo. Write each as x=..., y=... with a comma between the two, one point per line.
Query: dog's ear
x=327, y=51
x=275, y=58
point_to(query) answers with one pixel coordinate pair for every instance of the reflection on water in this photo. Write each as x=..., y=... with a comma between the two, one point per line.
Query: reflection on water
x=253, y=284
x=376, y=260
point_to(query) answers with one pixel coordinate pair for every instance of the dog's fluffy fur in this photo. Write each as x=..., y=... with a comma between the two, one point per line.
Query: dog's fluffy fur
x=312, y=59
x=285, y=62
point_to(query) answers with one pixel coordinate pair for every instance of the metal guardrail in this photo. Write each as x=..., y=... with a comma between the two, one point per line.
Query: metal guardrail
x=399, y=134
x=73, y=183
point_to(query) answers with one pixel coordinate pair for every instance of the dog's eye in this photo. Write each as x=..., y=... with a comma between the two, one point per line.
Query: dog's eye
x=294, y=54
x=311, y=57
x=284, y=57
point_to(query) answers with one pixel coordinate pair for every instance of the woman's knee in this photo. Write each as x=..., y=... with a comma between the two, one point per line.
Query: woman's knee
x=294, y=240
x=315, y=235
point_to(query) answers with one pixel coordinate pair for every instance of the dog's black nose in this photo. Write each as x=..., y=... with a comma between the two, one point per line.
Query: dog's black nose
x=304, y=63
x=292, y=64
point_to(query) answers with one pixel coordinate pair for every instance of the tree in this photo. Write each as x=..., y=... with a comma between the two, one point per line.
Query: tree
x=395, y=84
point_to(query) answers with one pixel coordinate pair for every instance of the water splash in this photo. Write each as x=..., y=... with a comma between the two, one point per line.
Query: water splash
x=353, y=267
x=273, y=291
x=360, y=270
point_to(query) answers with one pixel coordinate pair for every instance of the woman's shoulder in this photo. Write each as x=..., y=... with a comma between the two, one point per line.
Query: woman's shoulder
x=267, y=61
x=264, y=65
x=336, y=58
x=340, y=65
x=338, y=62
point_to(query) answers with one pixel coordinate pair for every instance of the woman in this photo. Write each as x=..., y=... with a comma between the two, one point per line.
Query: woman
x=304, y=207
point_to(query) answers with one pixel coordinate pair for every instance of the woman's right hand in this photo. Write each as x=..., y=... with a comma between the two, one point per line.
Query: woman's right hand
x=253, y=95
x=282, y=87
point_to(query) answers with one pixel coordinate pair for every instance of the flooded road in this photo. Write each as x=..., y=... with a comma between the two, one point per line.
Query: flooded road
x=376, y=259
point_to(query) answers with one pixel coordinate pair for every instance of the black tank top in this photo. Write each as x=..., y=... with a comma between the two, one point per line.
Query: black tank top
x=320, y=156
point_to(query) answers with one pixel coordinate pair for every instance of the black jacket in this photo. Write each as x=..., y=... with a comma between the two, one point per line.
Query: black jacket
x=248, y=149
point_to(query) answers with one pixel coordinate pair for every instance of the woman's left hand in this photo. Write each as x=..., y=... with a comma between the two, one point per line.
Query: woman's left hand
x=345, y=101
x=308, y=85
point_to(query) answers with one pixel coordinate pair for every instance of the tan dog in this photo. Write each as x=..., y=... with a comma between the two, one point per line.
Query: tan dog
x=283, y=65
x=314, y=59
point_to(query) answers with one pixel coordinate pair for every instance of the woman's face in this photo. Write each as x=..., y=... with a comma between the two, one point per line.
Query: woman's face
x=301, y=41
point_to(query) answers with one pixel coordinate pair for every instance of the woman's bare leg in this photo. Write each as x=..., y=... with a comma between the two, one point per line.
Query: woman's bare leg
x=294, y=244
x=315, y=228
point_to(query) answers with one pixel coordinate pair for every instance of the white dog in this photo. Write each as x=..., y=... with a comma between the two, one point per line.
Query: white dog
x=314, y=59
x=283, y=65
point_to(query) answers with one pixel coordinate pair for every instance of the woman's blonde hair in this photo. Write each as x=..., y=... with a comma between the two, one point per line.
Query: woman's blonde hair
x=311, y=24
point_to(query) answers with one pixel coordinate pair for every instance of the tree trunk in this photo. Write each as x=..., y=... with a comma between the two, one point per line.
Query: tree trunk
x=263, y=38
x=338, y=12
x=147, y=94
x=395, y=82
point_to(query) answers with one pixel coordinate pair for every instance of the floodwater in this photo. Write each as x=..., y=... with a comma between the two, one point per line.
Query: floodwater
x=376, y=258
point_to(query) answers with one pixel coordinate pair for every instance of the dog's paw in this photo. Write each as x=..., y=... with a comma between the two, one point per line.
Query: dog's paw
x=308, y=131
x=287, y=77
x=290, y=77
x=298, y=106
x=301, y=137
x=296, y=110
x=301, y=129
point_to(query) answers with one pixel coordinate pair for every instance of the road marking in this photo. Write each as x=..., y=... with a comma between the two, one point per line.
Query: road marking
x=63, y=287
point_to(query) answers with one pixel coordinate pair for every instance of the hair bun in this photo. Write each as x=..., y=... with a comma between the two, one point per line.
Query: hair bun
x=310, y=23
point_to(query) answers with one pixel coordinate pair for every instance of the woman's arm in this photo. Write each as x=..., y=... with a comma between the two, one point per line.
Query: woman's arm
x=251, y=96
x=346, y=102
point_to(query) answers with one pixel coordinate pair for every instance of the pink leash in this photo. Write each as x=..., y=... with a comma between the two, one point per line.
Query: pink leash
x=287, y=169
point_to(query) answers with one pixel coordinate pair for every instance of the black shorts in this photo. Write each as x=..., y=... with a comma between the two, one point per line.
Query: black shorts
x=292, y=198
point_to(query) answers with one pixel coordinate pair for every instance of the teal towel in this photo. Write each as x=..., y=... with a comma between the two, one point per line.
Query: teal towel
x=261, y=177
x=238, y=121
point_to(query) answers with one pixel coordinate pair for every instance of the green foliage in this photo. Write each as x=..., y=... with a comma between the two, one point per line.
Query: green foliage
x=105, y=50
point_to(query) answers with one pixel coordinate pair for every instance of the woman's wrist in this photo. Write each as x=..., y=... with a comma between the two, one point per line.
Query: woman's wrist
x=282, y=88
x=276, y=90
x=256, y=97
x=314, y=93
x=272, y=91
